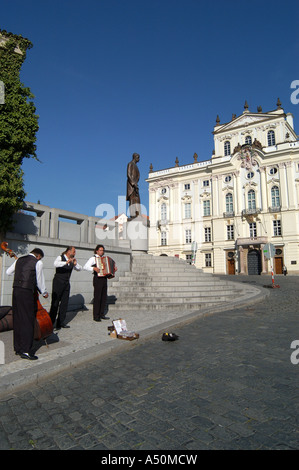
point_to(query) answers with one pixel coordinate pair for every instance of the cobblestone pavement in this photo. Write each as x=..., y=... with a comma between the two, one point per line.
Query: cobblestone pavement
x=227, y=383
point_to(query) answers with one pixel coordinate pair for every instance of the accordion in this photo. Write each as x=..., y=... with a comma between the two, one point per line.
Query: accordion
x=106, y=266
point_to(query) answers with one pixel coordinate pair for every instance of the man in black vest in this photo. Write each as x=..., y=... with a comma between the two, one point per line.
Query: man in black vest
x=64, y=264
x=28, y=271
x=99, y=285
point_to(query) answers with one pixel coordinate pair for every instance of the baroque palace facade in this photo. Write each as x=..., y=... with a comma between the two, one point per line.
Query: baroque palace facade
x=231, y=206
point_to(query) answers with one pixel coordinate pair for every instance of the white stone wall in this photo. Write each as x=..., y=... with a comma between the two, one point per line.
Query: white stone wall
x=208, y=182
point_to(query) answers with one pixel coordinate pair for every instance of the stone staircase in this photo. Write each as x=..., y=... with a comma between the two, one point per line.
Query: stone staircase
x=163, y=283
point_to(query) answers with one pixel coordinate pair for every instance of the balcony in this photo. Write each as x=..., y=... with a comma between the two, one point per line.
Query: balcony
x=275, y=209
x=228, y=215
x=246, y=212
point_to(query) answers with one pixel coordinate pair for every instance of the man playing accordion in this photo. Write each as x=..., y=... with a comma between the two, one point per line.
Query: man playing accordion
x=101, y=272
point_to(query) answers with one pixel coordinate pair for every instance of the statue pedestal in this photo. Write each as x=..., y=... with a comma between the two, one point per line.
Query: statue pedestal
x=137, y=233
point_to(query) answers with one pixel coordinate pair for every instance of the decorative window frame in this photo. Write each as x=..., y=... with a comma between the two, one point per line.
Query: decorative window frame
x=271, y=138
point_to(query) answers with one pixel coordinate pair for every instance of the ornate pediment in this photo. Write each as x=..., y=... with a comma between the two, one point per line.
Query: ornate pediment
x=273, y=181
x=186, y=198
x=227, y=188
x=245, y=120
x=205, y=194
x=249, y=184
x=162, y=199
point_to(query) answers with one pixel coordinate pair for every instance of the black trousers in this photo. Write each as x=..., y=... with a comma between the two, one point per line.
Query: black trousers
x=60, y=299
x=24, y=309
x=99, y=296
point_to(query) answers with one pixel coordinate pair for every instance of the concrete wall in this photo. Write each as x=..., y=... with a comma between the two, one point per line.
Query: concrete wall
x=53, y=230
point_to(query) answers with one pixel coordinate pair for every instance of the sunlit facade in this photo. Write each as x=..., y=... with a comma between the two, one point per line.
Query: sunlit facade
x=232, y=205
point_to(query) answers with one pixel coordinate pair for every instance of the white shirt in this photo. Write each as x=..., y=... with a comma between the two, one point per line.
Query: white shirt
x=59, y=264
x=40, y=278
x=89, y=265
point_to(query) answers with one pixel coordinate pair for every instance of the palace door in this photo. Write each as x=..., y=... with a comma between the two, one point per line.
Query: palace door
x=254, y=262
x=278, y=265
x=230, y=266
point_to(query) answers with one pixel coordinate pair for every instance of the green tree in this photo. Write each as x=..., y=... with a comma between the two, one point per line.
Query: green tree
x=18, y=127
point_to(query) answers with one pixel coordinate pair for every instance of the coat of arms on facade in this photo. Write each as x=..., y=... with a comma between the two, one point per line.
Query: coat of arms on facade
x=247, y=157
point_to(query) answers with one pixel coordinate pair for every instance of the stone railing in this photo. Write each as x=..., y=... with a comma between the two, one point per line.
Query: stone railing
x=43, y=221
x=53, y=230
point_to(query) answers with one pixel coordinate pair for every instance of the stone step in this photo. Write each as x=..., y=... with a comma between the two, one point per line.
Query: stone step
x=163, y=270
x=178, y=289
x=119, y=309
x=129, y=300
x=167, y=283
x=146, y=296
x=162, y=261
x=169, y=274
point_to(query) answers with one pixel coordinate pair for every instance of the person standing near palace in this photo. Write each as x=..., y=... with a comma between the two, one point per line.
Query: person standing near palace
x=64, y=264
x=28, y=276
x=99, y=285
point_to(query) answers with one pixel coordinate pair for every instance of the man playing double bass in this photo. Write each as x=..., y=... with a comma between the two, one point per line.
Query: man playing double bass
x=28, y=271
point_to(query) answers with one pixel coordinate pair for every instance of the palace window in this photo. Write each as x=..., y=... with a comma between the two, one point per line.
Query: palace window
x=230, y=232
x=206, y=183
x=248, y=140
x=275, y=196
x=163, y=212
x=271, y=138
x=206, y=208
x=187, y=210
x=163, y=238
x=229, y=206
x=207, y=234
x=208, y=260
x=226, y=148
x=276, y=228
x=187, y=186
x=251, y=199
x=188, y=236
x=252, y=230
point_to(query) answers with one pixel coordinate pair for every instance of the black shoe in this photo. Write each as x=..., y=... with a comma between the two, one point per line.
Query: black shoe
x=105, y=318
x=31, y=357
x=97, y=319
x=65, y=326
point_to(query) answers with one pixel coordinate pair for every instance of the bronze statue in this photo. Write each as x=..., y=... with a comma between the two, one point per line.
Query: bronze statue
x=132, y=186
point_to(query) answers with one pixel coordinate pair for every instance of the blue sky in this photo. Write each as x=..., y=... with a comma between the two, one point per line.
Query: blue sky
x=114, y=77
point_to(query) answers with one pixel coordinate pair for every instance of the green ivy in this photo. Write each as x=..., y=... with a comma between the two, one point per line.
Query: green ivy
x=18, y=127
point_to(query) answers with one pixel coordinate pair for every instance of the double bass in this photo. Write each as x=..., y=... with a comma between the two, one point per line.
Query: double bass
x=43, y=324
